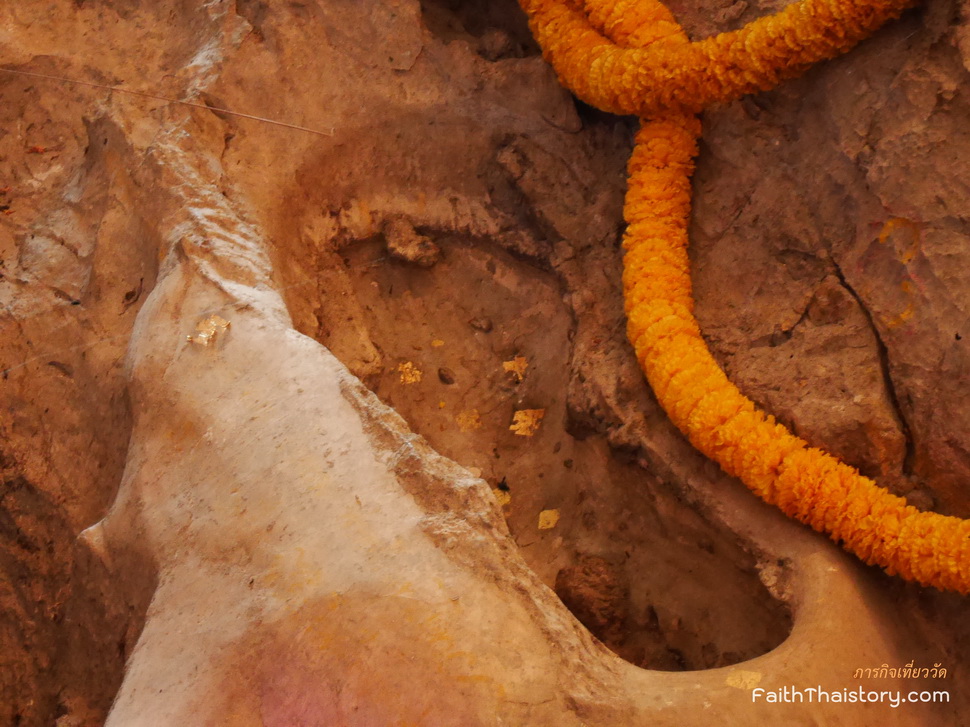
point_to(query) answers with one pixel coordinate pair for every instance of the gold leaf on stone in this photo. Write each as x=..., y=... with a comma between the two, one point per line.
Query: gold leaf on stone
x=208, y=329
x=548, y=519
x=743, y=679
x=410, y=374
x=525, y=422
x=469, y=420
x=516, y=367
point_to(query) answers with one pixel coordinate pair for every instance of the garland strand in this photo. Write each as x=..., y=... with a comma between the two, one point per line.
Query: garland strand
x=656, y=77
x=631, y=56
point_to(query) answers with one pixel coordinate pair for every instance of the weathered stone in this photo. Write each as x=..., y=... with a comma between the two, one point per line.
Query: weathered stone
x=403, y=243
x=286, y=547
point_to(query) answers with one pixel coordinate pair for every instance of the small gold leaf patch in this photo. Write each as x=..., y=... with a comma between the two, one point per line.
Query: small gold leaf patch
x=525, y=422
x=410, y=374
x=743, y=679
x=469, y=420
x=516, y=367
x=548, y=519
x=208, y=329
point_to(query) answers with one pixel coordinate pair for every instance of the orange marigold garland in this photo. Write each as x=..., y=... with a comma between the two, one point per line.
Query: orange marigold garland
x=656, y=77
x=631, y=56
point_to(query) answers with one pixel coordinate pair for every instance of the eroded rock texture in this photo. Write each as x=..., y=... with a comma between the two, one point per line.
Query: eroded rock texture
x=267, y=542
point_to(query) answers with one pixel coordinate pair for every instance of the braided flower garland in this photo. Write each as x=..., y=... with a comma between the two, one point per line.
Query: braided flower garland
x=631, y=56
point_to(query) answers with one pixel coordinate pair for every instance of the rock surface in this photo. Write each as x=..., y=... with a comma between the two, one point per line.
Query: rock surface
x=265, y=541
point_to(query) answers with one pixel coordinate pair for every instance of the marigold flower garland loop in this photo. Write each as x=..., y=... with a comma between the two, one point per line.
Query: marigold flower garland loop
x=646, y=79
x=631, y=56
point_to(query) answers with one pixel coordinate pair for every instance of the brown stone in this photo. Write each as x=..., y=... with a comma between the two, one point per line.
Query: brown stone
x=244, y=533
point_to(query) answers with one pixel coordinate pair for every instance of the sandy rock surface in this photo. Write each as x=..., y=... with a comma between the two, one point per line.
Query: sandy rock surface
x=326, y=425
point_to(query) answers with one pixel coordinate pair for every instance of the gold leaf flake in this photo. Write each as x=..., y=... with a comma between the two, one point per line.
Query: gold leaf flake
x=410, y=374
x=525, y=422
x=504, y=498
x=516, y=367
x=742, y=679
x=548, y=519
x=469, y=420
x=208, y=329
x=437, y=343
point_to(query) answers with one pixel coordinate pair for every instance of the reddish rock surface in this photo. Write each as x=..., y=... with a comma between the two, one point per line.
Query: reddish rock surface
x=272, y=544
